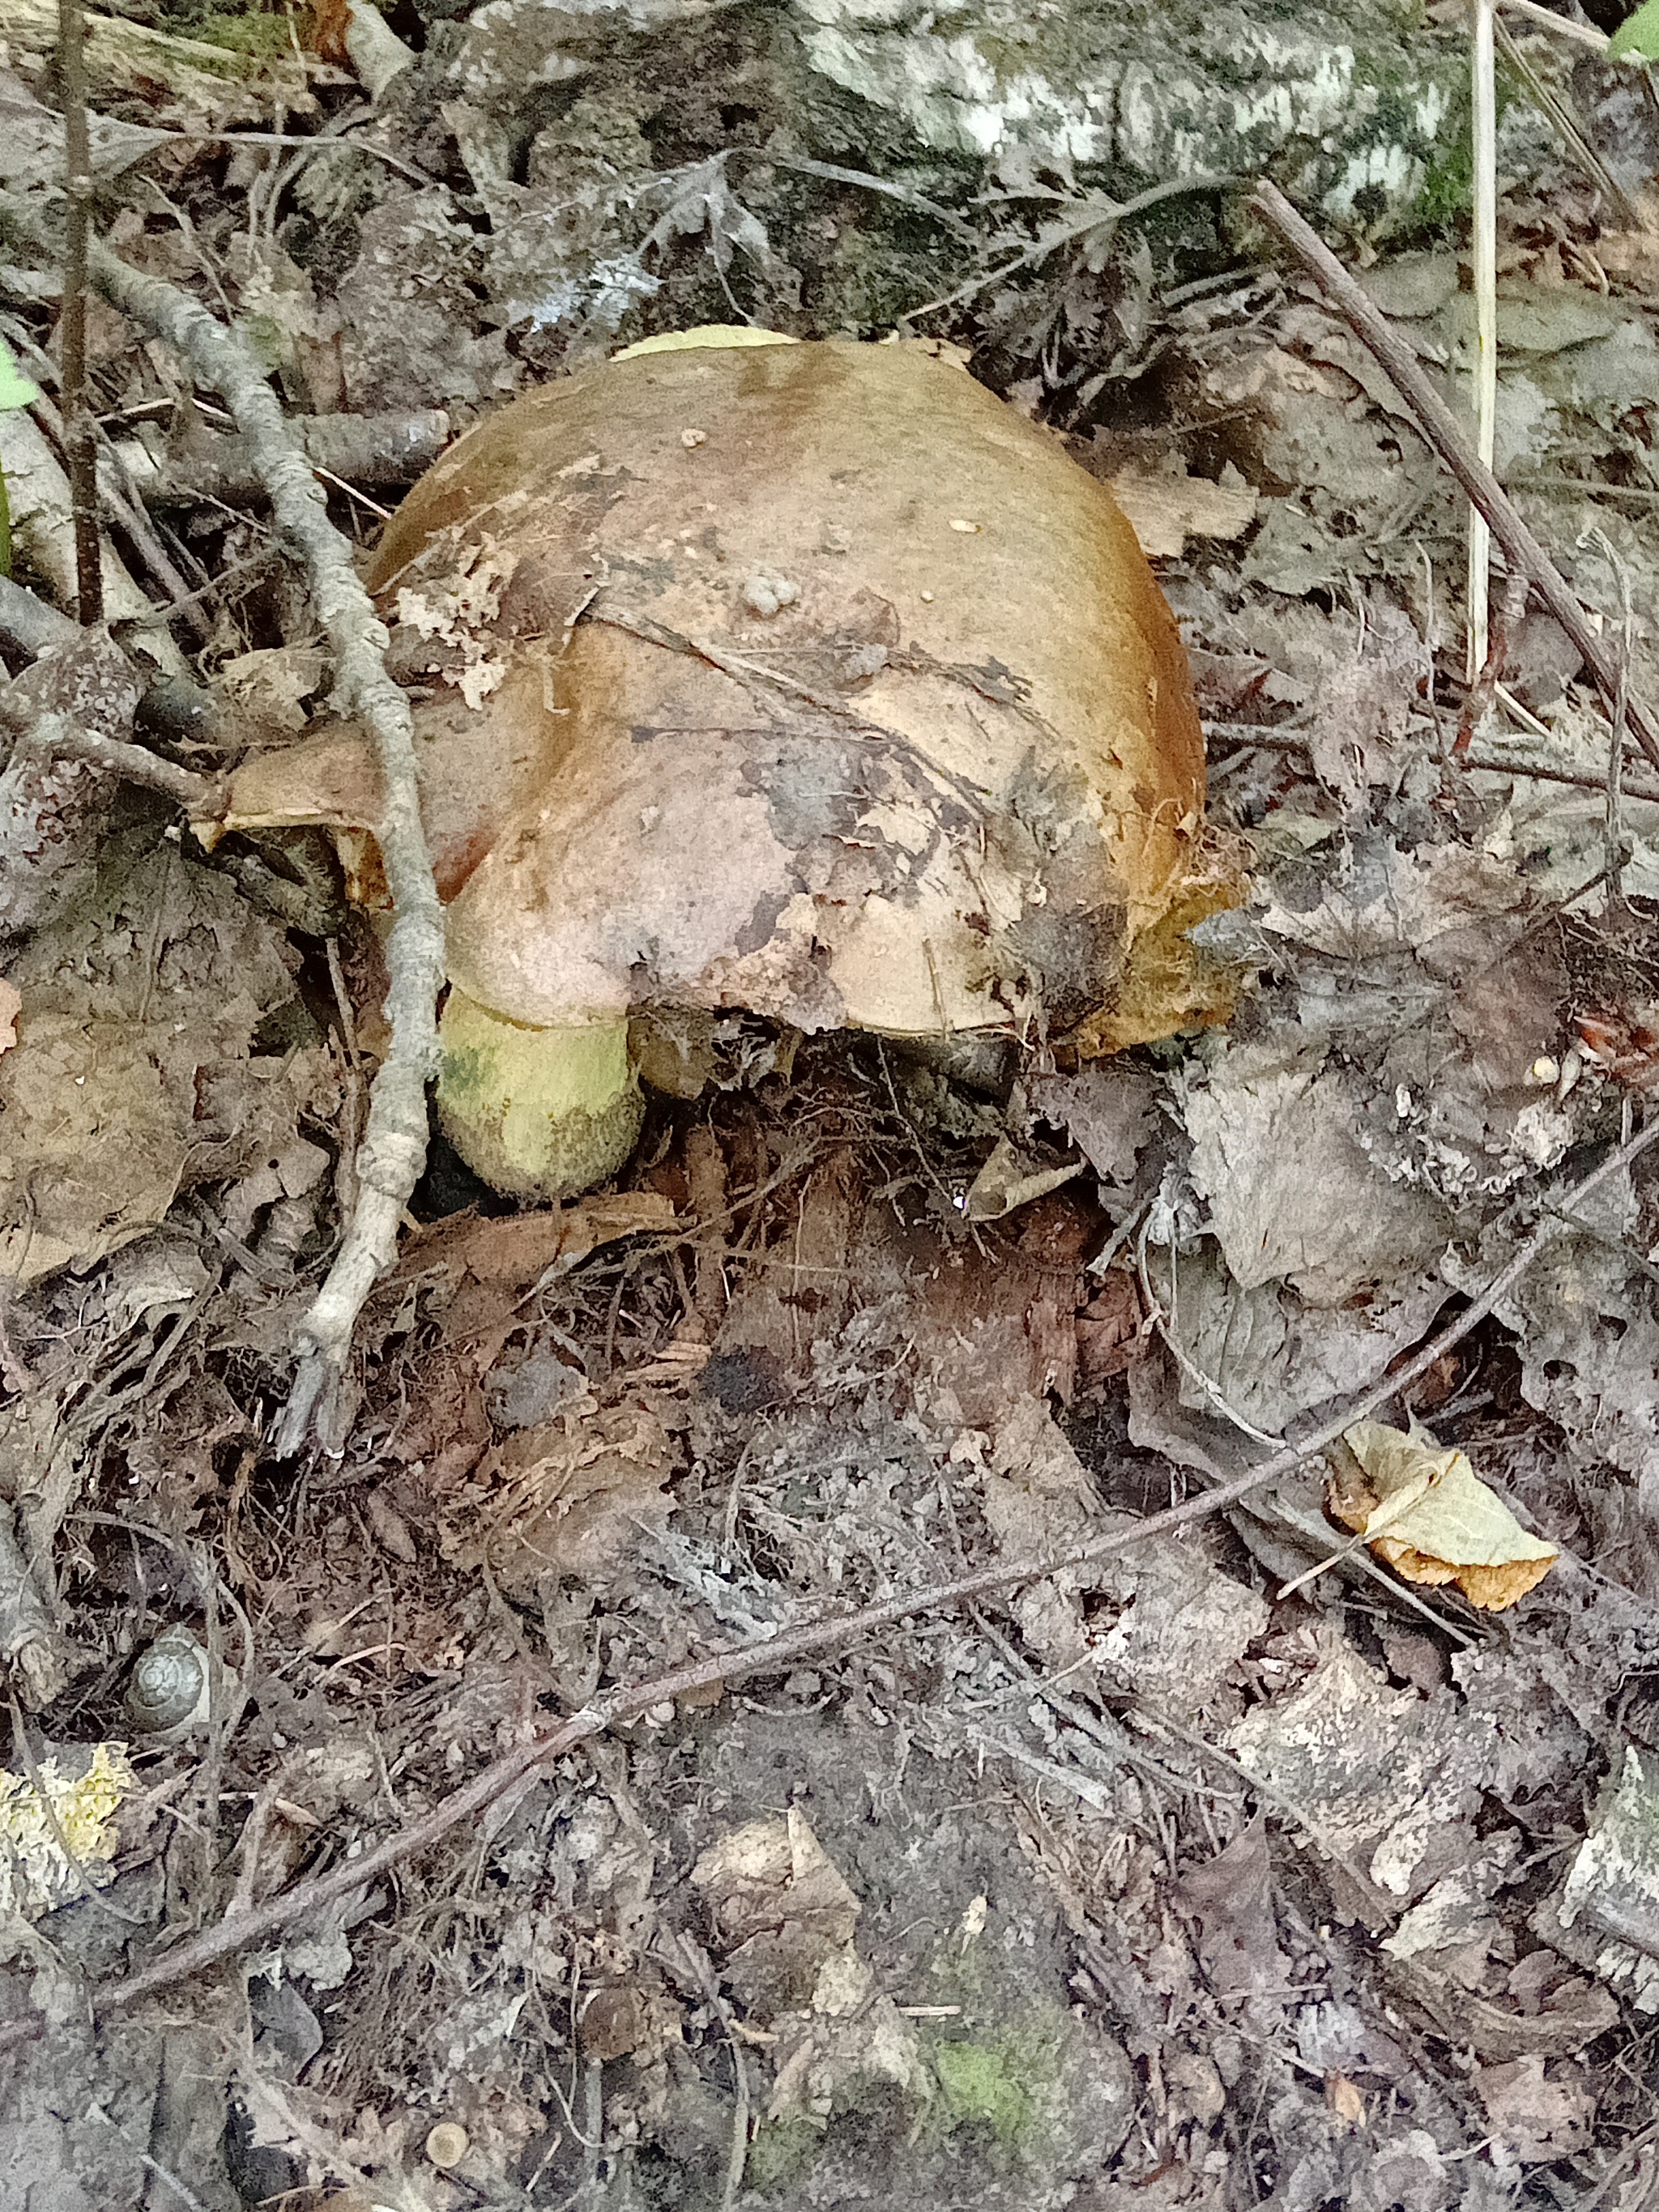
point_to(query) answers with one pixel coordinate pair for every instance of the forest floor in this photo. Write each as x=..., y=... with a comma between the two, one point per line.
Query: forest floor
x=1236, y=1867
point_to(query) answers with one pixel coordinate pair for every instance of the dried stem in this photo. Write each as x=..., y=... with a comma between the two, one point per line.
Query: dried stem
x=1581, y=780
x=779, y=1653
x=80, y=433
x=393, y=1150
x=1441, y=428
x=1546, y=19
x=1615, y=845
x=60, y=738
x=1501, y=631
x=1484, y=129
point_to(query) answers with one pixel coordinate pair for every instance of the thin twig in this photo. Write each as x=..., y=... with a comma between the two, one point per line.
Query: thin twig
x=112, y=484
x=1546, y=19
x=1501, y=629
x=832, y=174
x=62, y=739
x=1613, y=842
x=80, y=437
x=1103, y=216
x=1581, y=779
x=393, y=1151
x=1441, y=430
x=779, y=1653
x=1483, y=134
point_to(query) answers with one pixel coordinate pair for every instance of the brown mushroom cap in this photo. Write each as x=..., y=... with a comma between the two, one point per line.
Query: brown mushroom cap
x=837, y=692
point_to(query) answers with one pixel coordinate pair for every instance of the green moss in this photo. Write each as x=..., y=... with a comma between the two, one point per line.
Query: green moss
x=244, y=35
x=1449, y=181
x=260, y=37
x=979, y=2087
x=781, y=2149
x=998, y=2088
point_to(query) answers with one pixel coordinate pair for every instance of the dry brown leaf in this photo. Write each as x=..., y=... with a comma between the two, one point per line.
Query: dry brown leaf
x=772, y=1871
x=515, y=1250
x=1009, y=1180
x=569, y=1497
x=1534, y=2118
x=1344, y=2100
x=137, y=1069
x=1425, y=1511
x=787, y=1921
x=1230, y=1897
x=1165, y=511
x=11, y=1004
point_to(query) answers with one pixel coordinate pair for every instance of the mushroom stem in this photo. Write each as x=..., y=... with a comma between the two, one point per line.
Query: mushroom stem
x=538, y=1113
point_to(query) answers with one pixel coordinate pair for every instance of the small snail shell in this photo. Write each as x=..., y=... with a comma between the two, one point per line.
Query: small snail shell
x=171, y=1689
x=447, y=2144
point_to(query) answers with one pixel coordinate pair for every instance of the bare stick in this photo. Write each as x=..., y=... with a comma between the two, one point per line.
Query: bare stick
x=1614, y=845
x=1484, y=130
x=1441, y=428
x=1249, y=739
x=1500, y=629
x=1546, y=19
x=394, y=1149
x=80, y=435
x=777, y=1653
x=1581, y=780
x=60, y=738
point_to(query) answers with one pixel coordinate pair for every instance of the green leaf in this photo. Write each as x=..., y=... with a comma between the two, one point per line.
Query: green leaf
x=15, y=390
x=1638, y=34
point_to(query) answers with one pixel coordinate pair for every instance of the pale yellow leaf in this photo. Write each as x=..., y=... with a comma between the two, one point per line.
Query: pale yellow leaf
x=1435, y=1520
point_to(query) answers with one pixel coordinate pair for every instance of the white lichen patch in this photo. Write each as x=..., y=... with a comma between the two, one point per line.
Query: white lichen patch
x=41, y=1815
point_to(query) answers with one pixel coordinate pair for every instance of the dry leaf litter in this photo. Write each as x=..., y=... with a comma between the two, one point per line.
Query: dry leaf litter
x=1305, y=1858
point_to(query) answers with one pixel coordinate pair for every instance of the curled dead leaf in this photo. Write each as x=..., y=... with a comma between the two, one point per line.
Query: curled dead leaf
x=1426, y=1513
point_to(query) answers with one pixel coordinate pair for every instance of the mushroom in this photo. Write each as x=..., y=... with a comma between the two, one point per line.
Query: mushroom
x=804, y=678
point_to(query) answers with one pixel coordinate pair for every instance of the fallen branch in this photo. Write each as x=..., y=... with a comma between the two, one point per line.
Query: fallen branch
x=1440, y=427
x=393, y=1150
x=59, y=738
x=379, y=450
x=779, y=1653
x=1247, y=739
x=1546, y=19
